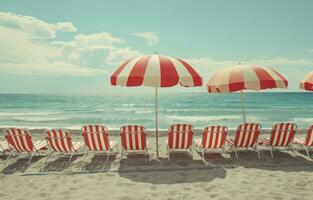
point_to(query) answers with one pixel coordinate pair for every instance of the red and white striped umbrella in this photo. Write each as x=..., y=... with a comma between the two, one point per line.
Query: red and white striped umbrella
x=156, y=71
x=307, y=82
x=245, y=77
x=242, y=77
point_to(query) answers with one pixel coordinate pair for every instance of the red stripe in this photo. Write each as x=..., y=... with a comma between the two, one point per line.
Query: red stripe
x=281, y=77
x=21, y=137
x=169, y=76
x=136, y=138
x=266, y=80
x=197, y=80
x=117, y=72
x=98, y=133
x=136, y=76
x=236, y=80
x=308, y=86
x=86, y=137
x=129, y=135
x=92, y=142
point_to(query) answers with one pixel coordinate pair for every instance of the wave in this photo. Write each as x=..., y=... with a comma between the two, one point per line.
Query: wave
x=40, y=119
x=27, y=113
x=204, y=118
x=302, y=119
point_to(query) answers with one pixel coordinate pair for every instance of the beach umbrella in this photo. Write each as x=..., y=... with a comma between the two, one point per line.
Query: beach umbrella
x=156, y=71
x=307, y=82
x=241, y=77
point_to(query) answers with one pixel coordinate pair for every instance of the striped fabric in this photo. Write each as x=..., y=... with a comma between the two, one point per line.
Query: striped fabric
x=96, y=137
x=59, y=140
x=245, y=77
x=19, y=139
x=282, y=134
x=307, y=82
x=309, y=137
x=156, y=71
x=180, y=136
x=247, y=135
x=213, y=137
x=133, y=137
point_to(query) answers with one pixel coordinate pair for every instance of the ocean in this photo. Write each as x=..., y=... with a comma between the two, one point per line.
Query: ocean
x=199, y=109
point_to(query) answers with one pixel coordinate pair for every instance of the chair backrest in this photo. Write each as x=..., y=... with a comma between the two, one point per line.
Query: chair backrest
x=282, y=134
x=96, y=137
x=247, y=135
x=19, y=139
x=59, y=140
x=214, y=137
x=133, y=137
x=309, y=137
x=180, y=136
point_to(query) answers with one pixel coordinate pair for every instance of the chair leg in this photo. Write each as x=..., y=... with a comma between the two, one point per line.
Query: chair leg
x=271, y=152
x=307, y=151
x=10, y=155
x=69, y=161
x=84, y=159
x=203, y=157
x=236, y=153
x=107, y=159
x=31, y=157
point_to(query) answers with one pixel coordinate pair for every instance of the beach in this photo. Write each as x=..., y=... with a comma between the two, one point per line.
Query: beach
x=286, y=176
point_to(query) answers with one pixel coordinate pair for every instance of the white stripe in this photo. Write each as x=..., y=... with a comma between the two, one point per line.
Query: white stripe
x=245, y=142
x=89, y=137
x=24, y=132
x=282, y=134
x=152, y=75
x=102, y=133
x=187, y=132
x=240, y=136
x=124, y=74
x=219, y=137
x=174, y=136
x=185, y=77
x=251, y=79
x=127, y=138
x=133, y=137
x=213, y=137
x=96, y=138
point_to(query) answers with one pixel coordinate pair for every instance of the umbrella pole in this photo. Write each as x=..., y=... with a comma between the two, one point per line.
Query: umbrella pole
x=243, y=106
x=156, y=123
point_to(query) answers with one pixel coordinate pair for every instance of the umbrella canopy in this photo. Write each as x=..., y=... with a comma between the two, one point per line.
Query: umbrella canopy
x=245, y=78
x=307, y=82
x=156, y=71
x=242, y=77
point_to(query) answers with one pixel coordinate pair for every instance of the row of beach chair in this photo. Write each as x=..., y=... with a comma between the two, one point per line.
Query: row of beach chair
x=134, y=140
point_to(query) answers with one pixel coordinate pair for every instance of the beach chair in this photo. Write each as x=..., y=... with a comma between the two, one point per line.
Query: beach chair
x=20, y=141
x=96, y=140
x=134, y=140
x=306, y=143
x=179, y=138
x=213, y=138
x=60, y=141
x=246, y=137
x=282, y=135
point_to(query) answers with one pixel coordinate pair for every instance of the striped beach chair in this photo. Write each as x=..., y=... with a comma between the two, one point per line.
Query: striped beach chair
x=179, y=138
x=246, y=137
x=60, y=141
x=213, y=138
x=96, y=139
x=20, y=141
x=306, y=143
x=134, y=140
x=282, y=136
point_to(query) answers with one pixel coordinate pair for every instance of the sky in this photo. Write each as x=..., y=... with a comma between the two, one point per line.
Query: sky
x=72, y=47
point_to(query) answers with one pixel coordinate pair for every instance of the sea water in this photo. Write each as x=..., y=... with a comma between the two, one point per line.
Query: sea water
x=199, y=109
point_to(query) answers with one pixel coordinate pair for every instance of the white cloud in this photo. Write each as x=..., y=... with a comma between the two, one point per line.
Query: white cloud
x=28, y=45
x=65, y=27
x=32, y=27
x=151, y=37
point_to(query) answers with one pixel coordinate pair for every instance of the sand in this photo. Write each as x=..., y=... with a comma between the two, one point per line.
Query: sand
x=287, y=176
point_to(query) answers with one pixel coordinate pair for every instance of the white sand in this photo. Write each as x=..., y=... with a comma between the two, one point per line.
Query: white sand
x=284, y=177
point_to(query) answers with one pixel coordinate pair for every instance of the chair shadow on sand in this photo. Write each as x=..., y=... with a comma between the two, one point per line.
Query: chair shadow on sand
x=282, y=161
x=59, y=164
x=98, y=163
x=180, y=169
x=20, y=165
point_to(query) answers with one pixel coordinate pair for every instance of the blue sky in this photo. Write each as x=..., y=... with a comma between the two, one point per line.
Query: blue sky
x=71, y=47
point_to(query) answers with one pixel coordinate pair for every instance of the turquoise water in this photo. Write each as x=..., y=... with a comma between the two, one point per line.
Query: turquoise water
x=200, y=109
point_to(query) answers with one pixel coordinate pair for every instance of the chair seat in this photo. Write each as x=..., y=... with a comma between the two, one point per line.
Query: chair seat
x=299, y=141
x=4, y=146
x=40, y=145
x=77, y=145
